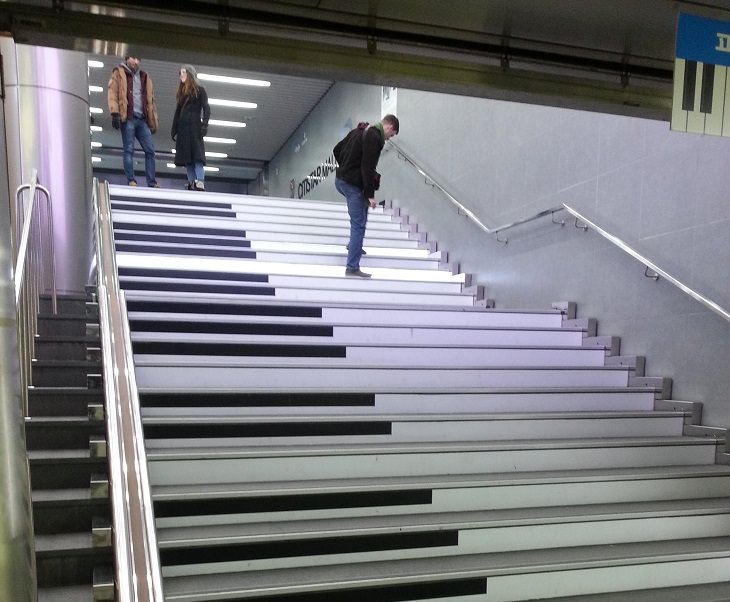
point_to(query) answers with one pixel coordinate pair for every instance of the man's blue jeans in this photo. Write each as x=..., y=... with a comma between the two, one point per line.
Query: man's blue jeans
x=137, y=128
x=357, y=208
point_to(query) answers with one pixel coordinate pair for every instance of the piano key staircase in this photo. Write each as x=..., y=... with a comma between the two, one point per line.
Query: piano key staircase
x=312, y=437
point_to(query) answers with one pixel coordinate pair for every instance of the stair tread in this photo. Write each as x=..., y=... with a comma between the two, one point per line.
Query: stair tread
x=217, y=299
x=218, y=490
x=406, y=447
x=415, y=417
x=402, y=523
x=63, y=541
x=78, y=494
x=71, y=593
x=701, y=592
x=422, y=570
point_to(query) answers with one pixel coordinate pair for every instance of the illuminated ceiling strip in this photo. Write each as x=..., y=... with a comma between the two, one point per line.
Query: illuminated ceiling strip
x=229, y=124
x=96, y=89
x=241, y=81
x=238, y=104
x=95, y=64
x=95, y=110
x=219, y=140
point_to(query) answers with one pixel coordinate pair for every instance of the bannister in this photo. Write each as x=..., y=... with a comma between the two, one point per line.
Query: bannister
x=35, y=271
x=460, y=206
x=709, y=303
x=138, y=574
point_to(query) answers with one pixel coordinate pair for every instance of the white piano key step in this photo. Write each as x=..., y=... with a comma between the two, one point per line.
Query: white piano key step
x=234, y=464
x=191, y=374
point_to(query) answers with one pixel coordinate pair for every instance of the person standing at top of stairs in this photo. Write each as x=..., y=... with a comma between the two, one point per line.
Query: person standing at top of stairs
x=189, y=127
x=131, y=98
x=357, y=156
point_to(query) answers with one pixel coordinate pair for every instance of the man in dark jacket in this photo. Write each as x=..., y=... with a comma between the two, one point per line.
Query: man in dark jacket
x=357, y=156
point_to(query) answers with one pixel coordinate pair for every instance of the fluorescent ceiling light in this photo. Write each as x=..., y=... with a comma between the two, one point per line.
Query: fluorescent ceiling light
x=219, y=140
x=228, y=124
x=171, y=165
x=241, y=81
x=238, y=104
x=216, y=155
x=209, y=168
x=96, y=128
x=95, y=110
x=95, y=64
x=96, y=159
x=96, y=89
x=96, y=145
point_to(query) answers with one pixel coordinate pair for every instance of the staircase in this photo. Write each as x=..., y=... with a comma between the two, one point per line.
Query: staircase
x=66, y=441
x=317, y=438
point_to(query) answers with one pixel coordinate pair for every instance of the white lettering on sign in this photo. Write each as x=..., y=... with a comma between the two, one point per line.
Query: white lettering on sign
x=723, y=42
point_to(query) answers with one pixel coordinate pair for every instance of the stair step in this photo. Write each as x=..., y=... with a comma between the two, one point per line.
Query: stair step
x=202, y=464
x=66, y=510
x=71, y=593
x=62, y=401
x=246, y=547
x=345, y=313
x=69, y=348
x=214, y=403
x=69, y=559
x=63, y=468
x=520, y=575
x=165, y=431
x=267, y=502
x=194, y=374
x=63, y=373
x=61, y=432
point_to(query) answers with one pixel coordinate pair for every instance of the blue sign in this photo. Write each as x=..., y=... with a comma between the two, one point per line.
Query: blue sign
x=703, y=40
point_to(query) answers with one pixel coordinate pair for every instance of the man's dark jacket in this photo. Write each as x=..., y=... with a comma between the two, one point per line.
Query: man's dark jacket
x=357, y=157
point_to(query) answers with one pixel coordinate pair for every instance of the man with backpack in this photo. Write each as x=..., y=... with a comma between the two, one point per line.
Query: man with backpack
x=357, y=156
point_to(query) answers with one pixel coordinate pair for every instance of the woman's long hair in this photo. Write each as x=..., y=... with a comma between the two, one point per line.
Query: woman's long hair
x=190, y=88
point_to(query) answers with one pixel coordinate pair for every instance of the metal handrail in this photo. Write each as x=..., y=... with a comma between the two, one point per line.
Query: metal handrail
x=138, y=573
x=709, y=303
x=464, y=210
x=33, y=271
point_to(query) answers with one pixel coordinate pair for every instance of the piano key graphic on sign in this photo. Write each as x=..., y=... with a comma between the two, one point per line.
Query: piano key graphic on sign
x=701, y=96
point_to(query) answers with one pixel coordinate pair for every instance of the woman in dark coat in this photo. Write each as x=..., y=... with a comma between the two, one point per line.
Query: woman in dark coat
x=189, y=126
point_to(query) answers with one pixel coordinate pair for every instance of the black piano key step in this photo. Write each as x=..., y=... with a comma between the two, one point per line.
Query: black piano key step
x=309, y=547
x=196, y=251
x=255, y=400
x=256, y=328
x=192, y=274
x=175, y=229
x=230, y=309
x=177, y=202
x=117, y=206
x=179, y=239
x=196, y=287
x=237, y=349
x=301, y=502
x=208, y=430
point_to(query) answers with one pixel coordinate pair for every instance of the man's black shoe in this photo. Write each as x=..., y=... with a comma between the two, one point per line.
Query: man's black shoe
x=357, y=273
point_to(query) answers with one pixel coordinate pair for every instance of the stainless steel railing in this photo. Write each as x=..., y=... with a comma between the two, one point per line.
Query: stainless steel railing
x=35, y=272
x=138, y=574
x=648, y=264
